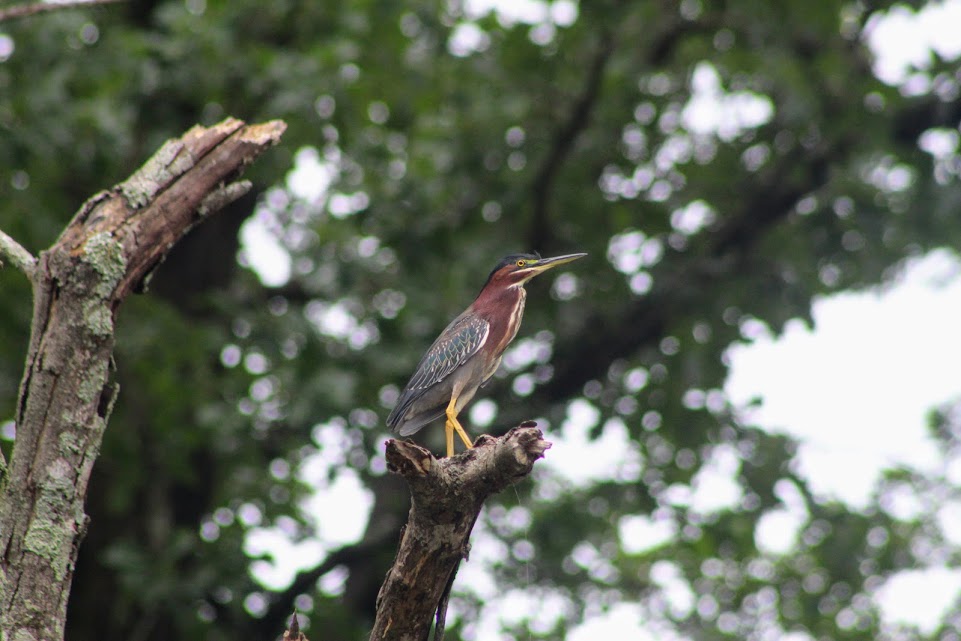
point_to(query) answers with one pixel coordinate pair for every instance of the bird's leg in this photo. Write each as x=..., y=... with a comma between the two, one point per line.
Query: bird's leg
x=449, y=424
x=453, y=425
x=463, y=434
x=449, y=433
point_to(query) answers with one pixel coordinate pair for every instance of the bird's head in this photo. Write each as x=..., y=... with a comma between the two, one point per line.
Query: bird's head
x=516, y=269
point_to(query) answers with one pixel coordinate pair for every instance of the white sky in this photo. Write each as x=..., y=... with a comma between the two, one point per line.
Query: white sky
x=855, y=389
x=858, y=388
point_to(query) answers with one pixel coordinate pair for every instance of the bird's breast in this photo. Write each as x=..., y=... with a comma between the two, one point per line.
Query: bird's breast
x=504, y=332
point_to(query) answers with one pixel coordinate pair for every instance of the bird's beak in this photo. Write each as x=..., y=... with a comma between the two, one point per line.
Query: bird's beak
x=544, y=264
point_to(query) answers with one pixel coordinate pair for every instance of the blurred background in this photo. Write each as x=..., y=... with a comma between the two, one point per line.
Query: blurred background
x=751, y=383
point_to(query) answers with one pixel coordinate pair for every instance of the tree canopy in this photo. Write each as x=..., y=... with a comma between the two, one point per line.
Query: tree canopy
x=723, y=163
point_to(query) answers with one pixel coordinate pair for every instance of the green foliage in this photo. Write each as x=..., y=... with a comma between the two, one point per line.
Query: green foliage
x=574, y=136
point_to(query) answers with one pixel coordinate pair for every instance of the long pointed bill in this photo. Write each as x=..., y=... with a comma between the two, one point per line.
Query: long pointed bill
x=542, y=265
x=549, y=263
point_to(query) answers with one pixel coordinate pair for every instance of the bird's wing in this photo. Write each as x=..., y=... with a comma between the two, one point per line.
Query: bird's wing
x=463, y=338
x=453, y=347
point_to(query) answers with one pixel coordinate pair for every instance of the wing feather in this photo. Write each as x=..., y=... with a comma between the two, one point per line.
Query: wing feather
x=463, y=338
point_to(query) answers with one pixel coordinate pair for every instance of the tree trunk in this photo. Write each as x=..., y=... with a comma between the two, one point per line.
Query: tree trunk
x=446, y=497
x=118, y=237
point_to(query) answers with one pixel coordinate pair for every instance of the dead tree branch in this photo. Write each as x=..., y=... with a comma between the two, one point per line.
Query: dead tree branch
x=293, y=633
x=446, y=497
x=16, y=254
x=33, y=8
x=66, y=393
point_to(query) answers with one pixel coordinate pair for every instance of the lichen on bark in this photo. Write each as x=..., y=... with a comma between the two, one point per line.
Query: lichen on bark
x=170, y=161
x=92, y=382
x=105, y=255
x=48, y=526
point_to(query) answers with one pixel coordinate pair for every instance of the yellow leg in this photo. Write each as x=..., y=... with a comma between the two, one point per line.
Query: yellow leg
x=453, y=425
x=463, y=434
x=449, y=429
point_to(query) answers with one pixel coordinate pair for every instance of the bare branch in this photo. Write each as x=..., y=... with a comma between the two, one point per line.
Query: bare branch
x=20, y=257
x=34, y=8
x=446, y=497
x=223, y=196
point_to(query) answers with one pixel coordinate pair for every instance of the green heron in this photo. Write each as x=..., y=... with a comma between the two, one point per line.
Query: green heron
x=469, y=350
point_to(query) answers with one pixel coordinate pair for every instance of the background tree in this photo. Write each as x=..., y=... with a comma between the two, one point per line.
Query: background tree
x=723, y=162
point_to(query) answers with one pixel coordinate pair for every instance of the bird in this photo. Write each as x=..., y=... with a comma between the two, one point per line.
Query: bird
x=469, y=350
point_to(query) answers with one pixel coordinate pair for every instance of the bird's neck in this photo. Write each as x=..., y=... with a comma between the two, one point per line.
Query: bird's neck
x=503, y=327
x=499, y=298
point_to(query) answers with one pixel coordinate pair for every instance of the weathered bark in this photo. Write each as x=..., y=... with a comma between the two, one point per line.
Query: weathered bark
x=104, y=254
x=33, y=8
x=446, y=497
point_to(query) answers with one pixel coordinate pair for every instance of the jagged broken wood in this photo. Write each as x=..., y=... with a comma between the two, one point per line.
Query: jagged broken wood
x=293, y=632
x=446, y=497
x=116, y=239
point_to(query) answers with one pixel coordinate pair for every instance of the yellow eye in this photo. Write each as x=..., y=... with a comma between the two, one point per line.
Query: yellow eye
x=521, y=263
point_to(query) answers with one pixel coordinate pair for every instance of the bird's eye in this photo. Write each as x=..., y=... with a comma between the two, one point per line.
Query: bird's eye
x=521, y=263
